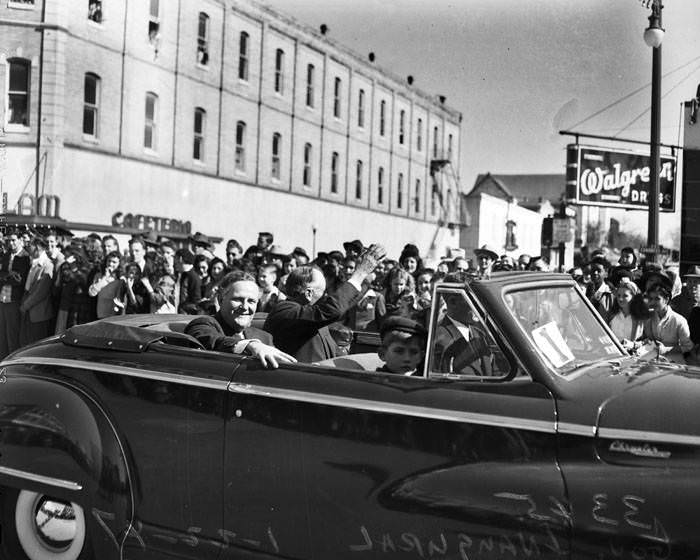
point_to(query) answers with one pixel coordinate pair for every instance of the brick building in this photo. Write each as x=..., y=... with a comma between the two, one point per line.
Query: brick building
x=219, y=116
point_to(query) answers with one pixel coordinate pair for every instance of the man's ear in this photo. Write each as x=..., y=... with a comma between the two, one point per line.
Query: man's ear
x=381, y=353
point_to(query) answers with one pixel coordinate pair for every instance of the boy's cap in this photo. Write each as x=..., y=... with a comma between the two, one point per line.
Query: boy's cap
x=403, y=324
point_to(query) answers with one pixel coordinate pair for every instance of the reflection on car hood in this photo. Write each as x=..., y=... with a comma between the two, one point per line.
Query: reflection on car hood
x=659, y=403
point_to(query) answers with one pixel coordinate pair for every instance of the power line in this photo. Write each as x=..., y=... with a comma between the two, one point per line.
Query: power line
x=627, y=96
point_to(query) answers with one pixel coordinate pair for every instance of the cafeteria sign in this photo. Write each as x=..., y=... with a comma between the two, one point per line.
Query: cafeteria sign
x=602, y=177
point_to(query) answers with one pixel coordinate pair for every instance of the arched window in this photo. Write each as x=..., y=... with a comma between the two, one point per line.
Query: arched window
x=240, y=145
x=380, y=185
x=358, y=179
x=203, y=39
x=310, y=71
x=279, y=71
x=17, y=114
x=336, y=98
x=382, y=118
x=399, y=191
x=335, y=162
x=307, y=165
x=361, y=109
x=91, y=98
x=243, y=46
x=150, y=132
x=276, y=155
x=200, y=118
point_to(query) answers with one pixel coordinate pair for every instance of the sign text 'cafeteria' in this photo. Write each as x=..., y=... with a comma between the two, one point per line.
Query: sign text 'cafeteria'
x=602, y=177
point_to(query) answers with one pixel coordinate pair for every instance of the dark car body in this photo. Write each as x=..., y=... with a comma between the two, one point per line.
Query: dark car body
x=569, y=448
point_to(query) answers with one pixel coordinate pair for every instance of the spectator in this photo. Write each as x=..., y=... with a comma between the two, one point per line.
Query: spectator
x=299, y=324
x=628, y=263
x=13, y=278
x=403, y=346
x=234, y=254
x=190, y=282
x=353, y=249
x=162, y=298
x=410, y=259
x=538, y=264
x=137, y=254
x=36, y=307
x=270, y=295
x=599, y=291
x=460, y=264
x=399, y=295
x=623, y=322
x=107, y=287
x=300, y=255
x=524, y=262
x=110, y=245
x=667, y=329
x=289, y=265
x=202, y=245
x=486, y=256
x=136, y=292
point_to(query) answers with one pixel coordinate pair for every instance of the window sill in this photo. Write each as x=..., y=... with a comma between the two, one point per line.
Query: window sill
x=198, y=162
x=20, y=5
x=150, y=152
x=243, y=82
x=17, y=128
x=204, y=67
x=90, y=139
x=275, y=180
x=96, y=24
x=240, y=172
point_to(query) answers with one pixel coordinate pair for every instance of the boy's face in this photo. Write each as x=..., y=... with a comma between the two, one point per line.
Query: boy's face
x=402, y=356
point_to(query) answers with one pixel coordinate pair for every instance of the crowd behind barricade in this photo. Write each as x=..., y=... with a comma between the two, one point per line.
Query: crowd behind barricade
x=49, y=284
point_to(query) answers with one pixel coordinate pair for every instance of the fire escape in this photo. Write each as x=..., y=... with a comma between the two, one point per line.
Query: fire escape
x=446, y=196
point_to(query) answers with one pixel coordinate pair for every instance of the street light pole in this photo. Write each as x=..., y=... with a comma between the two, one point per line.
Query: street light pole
x=653, y=36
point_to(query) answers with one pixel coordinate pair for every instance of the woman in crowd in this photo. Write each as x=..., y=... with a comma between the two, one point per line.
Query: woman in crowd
x=410, y=259
x=107, y=286
x=399, y=295
x=667, y=329
x=624, y=322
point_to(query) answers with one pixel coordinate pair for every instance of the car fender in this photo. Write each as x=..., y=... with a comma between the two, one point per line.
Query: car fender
x=57, y=440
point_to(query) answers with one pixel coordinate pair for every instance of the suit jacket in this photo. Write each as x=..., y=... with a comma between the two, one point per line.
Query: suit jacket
x=215, y=334
x=190, y=288
x=298, y=328
x=453, y=353
x=37, y=299
x=17, y=276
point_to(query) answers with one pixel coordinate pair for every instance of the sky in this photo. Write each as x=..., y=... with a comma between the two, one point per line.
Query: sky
x=522, y=70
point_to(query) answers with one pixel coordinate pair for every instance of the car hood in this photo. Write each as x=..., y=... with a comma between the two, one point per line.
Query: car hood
x=653, y=402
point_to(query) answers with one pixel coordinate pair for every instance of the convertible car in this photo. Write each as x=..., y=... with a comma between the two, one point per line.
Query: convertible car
x=125, y=439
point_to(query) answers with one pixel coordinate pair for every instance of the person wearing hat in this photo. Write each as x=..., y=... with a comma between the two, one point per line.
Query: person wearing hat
x=301, y=256
x=36, y=306
x=403, y=346
x=485, y=257
x=410, y=259
x=202, y=245
x=353, y=248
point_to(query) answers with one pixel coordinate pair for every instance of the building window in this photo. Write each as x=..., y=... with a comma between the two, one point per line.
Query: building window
x=380, y=185
x=361, y=109
x=276, y=151
x=91, y=96
x=449, y=147
x=382, y=118
x=306, y=178
x=18, y=92
x=240, y=146
x=435, y=142
x=279, y=71
x=419, y=135
x=336, y=98
x=402, y=126
x=399, y=191
x=203, y=39
x=416, y=200
x=310, y=85
x=243, y=46
x=433, y=202
x=150, y=136
x=95, y=10
x=358, y=179
x=200, y=118
x=154, y=21
x=335, y=162
x=22, y=4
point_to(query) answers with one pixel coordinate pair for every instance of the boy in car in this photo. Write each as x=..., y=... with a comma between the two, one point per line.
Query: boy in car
x=403, y=346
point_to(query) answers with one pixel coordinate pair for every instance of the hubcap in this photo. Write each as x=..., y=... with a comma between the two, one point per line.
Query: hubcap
x=55, y=523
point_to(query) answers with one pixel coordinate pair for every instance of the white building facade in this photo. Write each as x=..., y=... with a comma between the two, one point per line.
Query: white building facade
x=218, y=116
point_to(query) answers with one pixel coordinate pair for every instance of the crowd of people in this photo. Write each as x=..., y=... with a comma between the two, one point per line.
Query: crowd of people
x=49, y=283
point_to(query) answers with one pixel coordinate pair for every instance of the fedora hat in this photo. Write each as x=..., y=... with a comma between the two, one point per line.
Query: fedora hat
x=488, y=251
x=200, y=239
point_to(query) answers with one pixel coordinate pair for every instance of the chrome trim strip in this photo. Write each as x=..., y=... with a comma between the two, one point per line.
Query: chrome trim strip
x=67, y=484
x=392, y=408
x=639, y=435
x=576, y=429
x=122, y=370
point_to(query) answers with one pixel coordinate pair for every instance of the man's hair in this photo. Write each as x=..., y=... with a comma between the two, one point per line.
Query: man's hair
x=391, y=336
x=39, y=241
x=232, y=277
x=233, y=244
x=299, y=279
x=459, y=276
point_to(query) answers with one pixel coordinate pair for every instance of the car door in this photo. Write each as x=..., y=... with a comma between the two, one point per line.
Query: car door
x=344, y=462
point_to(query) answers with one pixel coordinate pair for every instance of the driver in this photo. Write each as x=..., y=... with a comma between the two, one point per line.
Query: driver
x=460, y=344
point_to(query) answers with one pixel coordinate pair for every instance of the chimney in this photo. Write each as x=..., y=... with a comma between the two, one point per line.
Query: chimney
x=324, y=29
x=409, y=79
x=371, y=57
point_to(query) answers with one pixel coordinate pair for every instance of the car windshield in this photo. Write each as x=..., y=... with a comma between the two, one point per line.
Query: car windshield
x=562, y=327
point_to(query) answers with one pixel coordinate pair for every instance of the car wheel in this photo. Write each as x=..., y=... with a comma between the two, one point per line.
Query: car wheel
x=39, y=527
